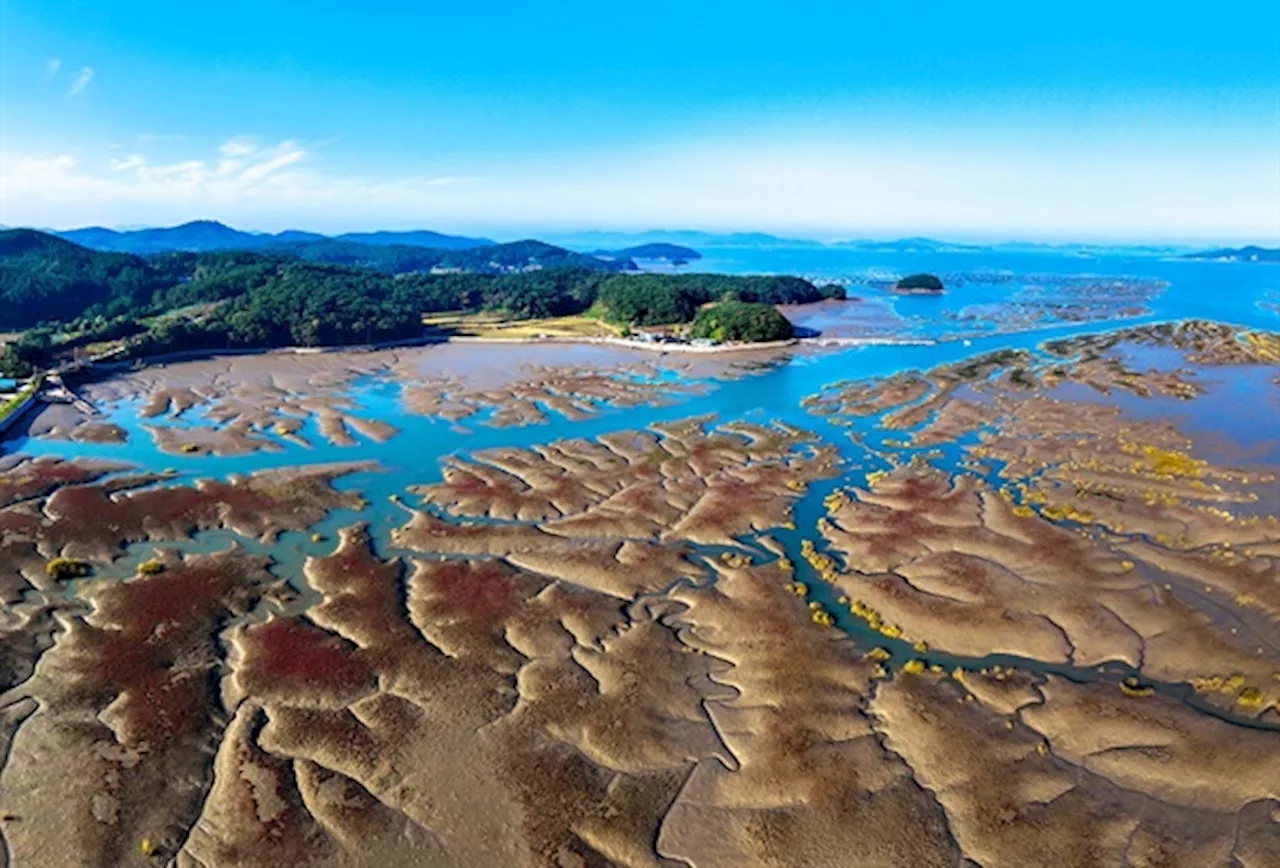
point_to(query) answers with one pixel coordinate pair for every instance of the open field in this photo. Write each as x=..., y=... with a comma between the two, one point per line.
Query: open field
x=492, y=325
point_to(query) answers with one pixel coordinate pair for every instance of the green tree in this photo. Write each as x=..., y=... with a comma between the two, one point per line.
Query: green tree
x=741, y=321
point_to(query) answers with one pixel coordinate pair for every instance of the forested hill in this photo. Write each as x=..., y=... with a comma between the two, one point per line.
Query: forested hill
x=81, y=297
x=46, y=278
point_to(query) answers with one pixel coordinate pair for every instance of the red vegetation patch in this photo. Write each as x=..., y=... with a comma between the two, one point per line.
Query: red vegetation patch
x=176, y=604
x=90, y=518
x=159, y=704
x=17, y=521
x=483, y=590
x=646, y=499
x=461, y=481
x=150, y=645
x=42, y=476
x=291, y=655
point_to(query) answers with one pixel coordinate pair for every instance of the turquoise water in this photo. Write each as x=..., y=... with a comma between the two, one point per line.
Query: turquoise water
x=1232, y=292
x=1235, y=292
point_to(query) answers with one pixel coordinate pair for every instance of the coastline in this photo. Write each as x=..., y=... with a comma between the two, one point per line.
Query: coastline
x=709, y=350
x=621, y=343
x=108, y=379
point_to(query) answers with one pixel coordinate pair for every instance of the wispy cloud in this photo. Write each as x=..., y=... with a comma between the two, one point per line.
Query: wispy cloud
x=240, y=146
x=133, y=161
x=825, y=189
x=134, y=178
x=51, y=67
x=233, y=152
x=271, y=182
x=285, y=154
x=82, y=81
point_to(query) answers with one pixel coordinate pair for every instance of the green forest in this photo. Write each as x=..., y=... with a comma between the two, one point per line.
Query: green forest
x=63, y=296
x=741, y=321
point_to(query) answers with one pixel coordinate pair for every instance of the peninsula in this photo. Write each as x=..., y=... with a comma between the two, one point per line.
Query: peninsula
x=70, y=303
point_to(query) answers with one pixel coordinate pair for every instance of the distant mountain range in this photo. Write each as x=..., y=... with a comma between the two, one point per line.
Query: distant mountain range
x=1239, y=254
x=597, y=240
x=932, y=245
x=393, y=252
x=202, y=236
x=907, y=245
x=670, y=245
x=206, y=238
x=416, y=238
x=405, y=258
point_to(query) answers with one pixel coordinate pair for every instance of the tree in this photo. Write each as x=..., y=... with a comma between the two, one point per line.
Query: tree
x=741, y=321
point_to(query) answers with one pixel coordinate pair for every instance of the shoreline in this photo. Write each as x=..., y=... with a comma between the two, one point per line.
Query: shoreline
x=717, y=348
x=621, y=343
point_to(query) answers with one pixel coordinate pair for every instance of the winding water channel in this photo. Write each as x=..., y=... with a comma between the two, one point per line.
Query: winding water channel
x=774, y=393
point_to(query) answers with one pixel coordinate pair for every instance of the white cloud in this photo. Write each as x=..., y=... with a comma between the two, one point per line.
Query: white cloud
x=62, y=185
x=285, y=154
x=133, y=161
x=51, y=66
x=82, y=81
x=837, y=189
x=240, y=146
x=57, y=163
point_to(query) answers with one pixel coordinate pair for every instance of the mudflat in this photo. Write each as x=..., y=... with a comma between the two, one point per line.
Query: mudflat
x=580, y=606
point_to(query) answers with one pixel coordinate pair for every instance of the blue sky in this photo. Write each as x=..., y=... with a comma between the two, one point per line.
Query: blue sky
x=1087, y=121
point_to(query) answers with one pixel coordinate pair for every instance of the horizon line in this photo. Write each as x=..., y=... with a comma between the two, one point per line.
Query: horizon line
x=834, y=240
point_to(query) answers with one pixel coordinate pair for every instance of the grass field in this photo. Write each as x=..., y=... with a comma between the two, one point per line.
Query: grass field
x=10, y=403
x=492, y=325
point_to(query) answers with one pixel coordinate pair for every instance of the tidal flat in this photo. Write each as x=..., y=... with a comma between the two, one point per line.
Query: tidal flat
x=1006, y=603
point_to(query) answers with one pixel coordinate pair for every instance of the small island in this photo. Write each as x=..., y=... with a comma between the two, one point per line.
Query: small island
x=919, y=284
x=740, y=321
x=1251, y=253
x=673, y=253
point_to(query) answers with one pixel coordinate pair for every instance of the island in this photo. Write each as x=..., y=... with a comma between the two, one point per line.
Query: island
x=1251, y=253
x=674, y=253
x=919, y=284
